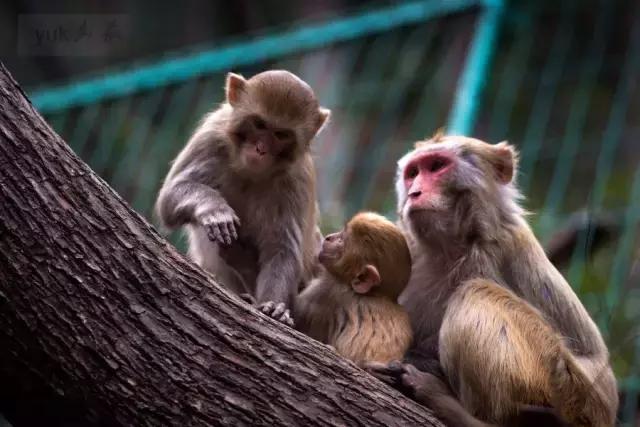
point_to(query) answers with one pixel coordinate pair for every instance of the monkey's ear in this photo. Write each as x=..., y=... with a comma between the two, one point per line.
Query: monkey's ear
x=367, y=279
x=503, y=159
x=235, y=87
x=323, y=118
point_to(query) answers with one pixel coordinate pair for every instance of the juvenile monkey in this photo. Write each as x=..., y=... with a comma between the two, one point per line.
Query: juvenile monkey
x=484, y=299
x=352, y=305
x=245, y=189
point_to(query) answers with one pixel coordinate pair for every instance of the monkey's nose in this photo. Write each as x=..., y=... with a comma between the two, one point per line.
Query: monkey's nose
x=415, y=194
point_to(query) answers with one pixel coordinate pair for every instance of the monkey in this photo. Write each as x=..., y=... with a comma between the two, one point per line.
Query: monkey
x=504, y=326
x=244, y=188
x=352, y=304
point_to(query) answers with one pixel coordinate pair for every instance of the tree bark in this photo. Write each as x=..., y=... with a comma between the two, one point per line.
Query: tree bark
x=102, y=322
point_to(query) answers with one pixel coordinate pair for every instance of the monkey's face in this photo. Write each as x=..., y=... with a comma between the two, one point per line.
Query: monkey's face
x=450, y=178
x=275, y=117
x=370, y=254
x=340, y=255
x=333, y=248
x=425, y=177
x=260, y=145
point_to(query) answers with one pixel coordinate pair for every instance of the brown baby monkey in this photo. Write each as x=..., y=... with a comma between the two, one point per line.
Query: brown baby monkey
x=352, y=305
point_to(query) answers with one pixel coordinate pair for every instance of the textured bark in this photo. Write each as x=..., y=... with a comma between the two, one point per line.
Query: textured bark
x=104, y=322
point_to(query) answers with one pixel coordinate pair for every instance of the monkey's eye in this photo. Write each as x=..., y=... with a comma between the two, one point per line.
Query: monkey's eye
x=259, y=123
x=282, y=134
x=438, y=164
x=412, y=172
x=240, y=135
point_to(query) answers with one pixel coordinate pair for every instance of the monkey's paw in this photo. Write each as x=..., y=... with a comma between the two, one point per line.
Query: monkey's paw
x=422, y=386
x=277, y=311
x=248, y=298
x=221, y=225
x=388, y=373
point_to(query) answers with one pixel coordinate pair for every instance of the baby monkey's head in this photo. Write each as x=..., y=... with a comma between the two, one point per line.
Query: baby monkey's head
x=370, y=254
x=275, y=115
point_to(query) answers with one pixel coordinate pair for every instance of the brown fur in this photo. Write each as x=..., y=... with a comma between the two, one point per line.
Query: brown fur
x=363, y=327
x=255, y=228
x=511, y=331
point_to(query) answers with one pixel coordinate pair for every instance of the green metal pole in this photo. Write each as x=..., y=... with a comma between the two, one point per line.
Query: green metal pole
x=476, y=71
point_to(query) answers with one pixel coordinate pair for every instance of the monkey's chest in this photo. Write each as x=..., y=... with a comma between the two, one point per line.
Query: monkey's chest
x=260, y=214
x=243, y=257
x=425, y=303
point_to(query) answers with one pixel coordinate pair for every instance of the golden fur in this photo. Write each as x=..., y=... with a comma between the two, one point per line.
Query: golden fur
x=369, y=327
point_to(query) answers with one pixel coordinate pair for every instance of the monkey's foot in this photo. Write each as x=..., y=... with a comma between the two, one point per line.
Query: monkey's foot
x=388, y=373
x=278, y=311
x=248, y=298
x=422, y=386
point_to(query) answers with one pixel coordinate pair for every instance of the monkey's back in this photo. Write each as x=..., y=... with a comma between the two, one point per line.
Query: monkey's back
x=374, y=330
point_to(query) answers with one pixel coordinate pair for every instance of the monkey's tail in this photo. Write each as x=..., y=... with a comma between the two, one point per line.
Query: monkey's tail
x=581, y=399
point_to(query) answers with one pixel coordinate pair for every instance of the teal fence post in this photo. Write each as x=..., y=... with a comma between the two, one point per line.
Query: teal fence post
x=475, y=75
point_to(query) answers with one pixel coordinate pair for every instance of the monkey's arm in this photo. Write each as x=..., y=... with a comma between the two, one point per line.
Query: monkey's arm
x=280, y=269
x=187, y=196
x=431, y=391
x=310, y=310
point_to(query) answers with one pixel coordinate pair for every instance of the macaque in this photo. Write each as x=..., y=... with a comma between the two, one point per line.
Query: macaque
x=506, y=328
x=352, y=304
x=244, y=188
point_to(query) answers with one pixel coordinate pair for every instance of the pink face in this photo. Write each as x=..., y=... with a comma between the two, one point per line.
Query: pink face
x=261, y=144
x=423, y=177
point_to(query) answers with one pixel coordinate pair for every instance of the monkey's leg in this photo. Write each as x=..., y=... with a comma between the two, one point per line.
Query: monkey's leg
x=584, y=390
x=499, y=354
x=206, y=254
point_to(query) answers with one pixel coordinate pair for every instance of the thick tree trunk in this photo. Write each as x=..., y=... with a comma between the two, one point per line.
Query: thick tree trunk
x=103, y=322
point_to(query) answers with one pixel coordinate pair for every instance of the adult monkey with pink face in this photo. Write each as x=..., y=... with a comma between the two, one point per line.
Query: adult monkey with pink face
x=245, y=188
x=485, y=302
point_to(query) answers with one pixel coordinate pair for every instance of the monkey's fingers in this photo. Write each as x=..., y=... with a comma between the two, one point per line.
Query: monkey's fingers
x=279, y=310
x=267, y=307
x=232, y=230
x=410, y=370
x=224, y=231
x=423, y=385
x=377, y=369
x=396, y=367
x=213, y=231
x=287, y=319
x=385, y=372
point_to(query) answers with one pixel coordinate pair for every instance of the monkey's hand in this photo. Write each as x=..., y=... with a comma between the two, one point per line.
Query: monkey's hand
x=388, y=373
x=277, y=311
x=221, y=224
x=407, y=379
x=423, y=386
